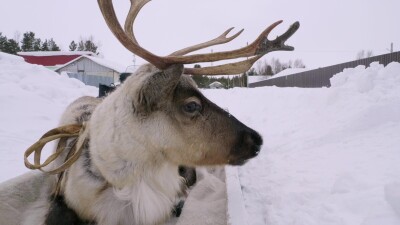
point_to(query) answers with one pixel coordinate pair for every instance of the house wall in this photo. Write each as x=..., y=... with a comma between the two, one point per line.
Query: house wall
x=90, y=72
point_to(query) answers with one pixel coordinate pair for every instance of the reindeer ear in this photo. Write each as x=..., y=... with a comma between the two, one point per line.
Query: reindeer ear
x=159, y=86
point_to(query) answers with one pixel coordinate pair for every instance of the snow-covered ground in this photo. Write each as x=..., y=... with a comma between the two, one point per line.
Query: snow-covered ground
x=331, y=155
x=32, y=99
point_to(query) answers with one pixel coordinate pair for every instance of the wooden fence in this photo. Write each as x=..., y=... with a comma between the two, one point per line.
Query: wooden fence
x=320, y=77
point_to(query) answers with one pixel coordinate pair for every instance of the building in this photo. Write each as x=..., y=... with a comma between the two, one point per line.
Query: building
x=52, y=59
x=92, y=70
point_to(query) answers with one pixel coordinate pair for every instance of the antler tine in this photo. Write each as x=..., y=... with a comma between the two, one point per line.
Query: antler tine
x=247, y=51
x=259, y=47
x=107, y=9
x=265, y=46
x=222, y=39
x=136, y=6
x=226, y=69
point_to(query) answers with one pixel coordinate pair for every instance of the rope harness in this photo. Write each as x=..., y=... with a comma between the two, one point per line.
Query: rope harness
x=75, y=149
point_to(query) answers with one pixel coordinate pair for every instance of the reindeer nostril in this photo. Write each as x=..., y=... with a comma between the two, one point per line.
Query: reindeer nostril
x=257, y=139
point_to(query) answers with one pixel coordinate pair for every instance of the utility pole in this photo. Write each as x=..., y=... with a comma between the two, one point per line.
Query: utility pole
x=391, y=47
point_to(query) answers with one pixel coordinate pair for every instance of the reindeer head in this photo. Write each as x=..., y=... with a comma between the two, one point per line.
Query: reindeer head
x=159, y=115
x=159, y=111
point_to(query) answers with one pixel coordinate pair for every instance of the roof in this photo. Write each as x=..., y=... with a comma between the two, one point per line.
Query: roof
x=54, y=53
x=103, y=62
x=51, y=58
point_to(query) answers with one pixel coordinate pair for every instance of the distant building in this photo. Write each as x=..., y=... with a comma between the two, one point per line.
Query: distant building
x=92, y=70
x=52, y=59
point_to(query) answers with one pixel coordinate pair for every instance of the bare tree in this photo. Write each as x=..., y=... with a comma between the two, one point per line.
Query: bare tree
x=369, y=53
x=264, y=68
x=17, y=36
x=298, y=63
x=362, y=54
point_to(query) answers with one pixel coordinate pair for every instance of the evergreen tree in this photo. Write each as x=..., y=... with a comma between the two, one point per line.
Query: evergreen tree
x=45, y=46
x=81, y=45
x=52, y=45
x=73, y=46
x=12, y=47
x=3, y=42
x=85, y=45
x=8, y=45
x=90, y=46
x=37, y=44
x=27, y=41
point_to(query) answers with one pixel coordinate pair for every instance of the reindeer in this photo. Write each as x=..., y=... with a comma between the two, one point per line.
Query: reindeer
x=136, y=139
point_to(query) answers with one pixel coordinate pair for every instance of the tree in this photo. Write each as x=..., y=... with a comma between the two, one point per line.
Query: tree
x=3, y=42
x=45, y=46
x=13, y=47
x=81, y=45
x=90, y=45
x=362, y=54
x=276, y=65
x=27, y=41
x=53, y=46
x=264, y=68
x=9, y=45
x=298, y=63
x=252, y=72
x=85, y=44
x=370, y=53
x=17, y=36
x=37, y=44
x=73, y=46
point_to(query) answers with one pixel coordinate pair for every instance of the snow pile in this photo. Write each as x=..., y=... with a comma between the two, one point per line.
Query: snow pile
x=32, y=99
x=331, y=155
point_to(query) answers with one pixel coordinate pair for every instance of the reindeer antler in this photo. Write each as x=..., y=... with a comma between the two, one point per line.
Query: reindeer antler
x=255, y=50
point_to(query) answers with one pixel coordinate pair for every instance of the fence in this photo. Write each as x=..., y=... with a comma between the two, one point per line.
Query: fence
x=320, y=77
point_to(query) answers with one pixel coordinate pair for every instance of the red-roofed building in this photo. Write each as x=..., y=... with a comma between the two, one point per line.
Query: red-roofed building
x=52, y=59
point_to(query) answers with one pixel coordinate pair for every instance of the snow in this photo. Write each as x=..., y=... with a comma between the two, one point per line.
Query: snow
x=55, y=53
x=32, y=99
x=330, y=155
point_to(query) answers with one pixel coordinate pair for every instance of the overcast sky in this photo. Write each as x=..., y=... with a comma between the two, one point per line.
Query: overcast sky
x=331, y=31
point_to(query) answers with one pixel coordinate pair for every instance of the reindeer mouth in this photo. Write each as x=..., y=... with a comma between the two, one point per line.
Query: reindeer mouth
x=248, y=146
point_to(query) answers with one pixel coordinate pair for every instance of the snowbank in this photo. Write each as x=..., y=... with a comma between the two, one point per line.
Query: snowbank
x=32, y=99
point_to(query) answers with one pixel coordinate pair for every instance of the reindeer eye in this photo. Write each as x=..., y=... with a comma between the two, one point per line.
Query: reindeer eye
x=192, y=107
